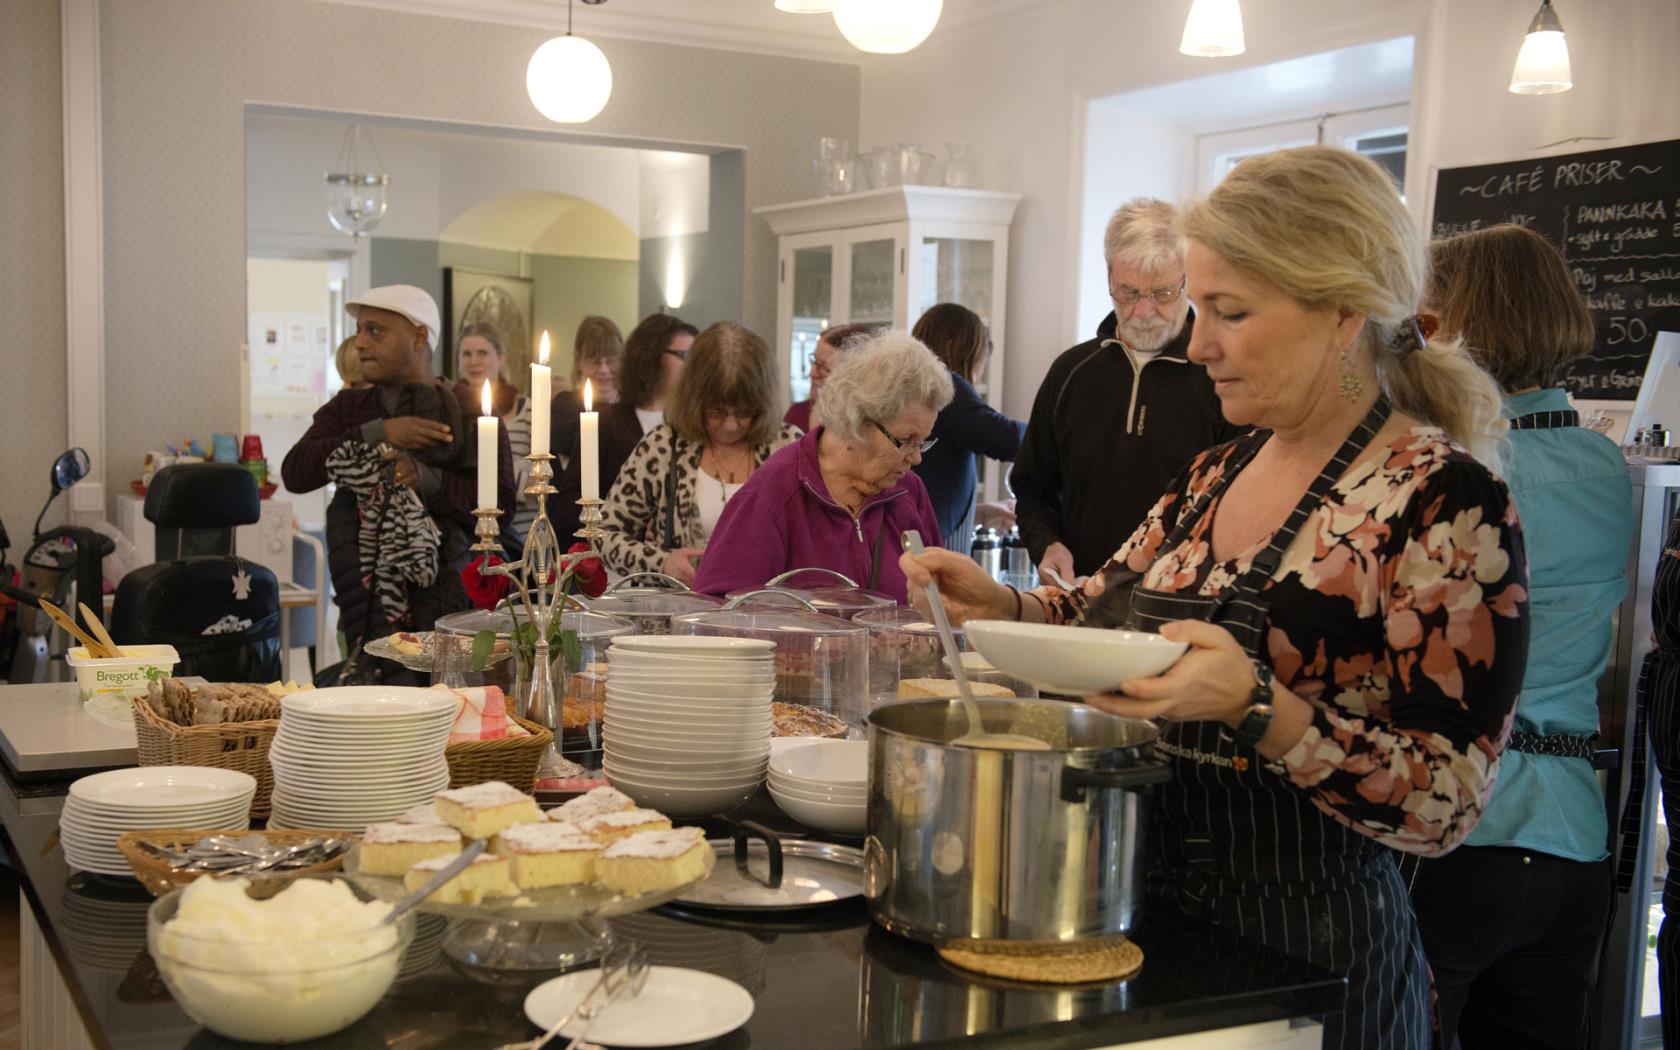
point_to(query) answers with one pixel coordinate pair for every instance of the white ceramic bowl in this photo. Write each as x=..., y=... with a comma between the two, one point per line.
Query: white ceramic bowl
x=692, y=689
x=817, y=792
x=833, y=763
x=632, y=746
x=1077, y=661
x=698, y=766
x=680, y=802
x=823, y=816
x=686, y=781
x=689, y=730
x=622, y=701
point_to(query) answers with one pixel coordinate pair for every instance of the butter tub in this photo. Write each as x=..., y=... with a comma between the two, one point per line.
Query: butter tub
x=120, y=677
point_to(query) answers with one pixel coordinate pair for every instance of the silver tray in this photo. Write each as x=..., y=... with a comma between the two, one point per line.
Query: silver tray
x=423, y=660
x=814, y=875
x=552, y=904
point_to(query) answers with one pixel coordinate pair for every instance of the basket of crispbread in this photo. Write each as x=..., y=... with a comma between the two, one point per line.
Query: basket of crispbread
x=229, y=726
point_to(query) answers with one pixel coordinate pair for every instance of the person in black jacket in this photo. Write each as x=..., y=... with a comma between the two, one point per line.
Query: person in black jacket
x=1117, y=417
x=967, y=427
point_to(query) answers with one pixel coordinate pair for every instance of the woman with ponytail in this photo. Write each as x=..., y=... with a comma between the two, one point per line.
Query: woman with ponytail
x=1349, y=578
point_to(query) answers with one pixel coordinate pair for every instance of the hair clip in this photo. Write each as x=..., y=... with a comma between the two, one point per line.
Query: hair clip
x=1412, y=335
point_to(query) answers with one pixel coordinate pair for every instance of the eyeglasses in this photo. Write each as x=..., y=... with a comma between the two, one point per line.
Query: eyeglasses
x=680, y=355
x=743, y=416
x=1126, y=295
x=904, y=445
x=815, y=368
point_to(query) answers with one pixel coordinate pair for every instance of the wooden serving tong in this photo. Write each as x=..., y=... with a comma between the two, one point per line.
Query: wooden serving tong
x=99, y=644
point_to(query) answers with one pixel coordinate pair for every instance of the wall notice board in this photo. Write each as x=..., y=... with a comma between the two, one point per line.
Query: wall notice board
x=1615, y=213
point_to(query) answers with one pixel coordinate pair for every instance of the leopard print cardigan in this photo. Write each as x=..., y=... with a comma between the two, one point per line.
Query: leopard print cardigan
x=635, y=512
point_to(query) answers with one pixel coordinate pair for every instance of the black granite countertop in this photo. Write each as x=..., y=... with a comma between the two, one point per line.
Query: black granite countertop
x=826, y=978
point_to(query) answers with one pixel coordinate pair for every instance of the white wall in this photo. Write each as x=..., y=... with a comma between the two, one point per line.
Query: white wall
x=1017, y=88
x=1127, y=154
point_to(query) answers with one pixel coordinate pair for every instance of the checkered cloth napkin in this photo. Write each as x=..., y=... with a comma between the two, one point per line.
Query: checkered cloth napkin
x=482, y=714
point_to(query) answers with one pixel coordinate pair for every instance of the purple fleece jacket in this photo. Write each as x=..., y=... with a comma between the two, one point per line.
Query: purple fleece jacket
x=783, y=518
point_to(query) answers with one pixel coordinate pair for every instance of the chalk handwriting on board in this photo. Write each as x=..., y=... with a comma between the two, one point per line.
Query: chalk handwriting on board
x=1617, y=221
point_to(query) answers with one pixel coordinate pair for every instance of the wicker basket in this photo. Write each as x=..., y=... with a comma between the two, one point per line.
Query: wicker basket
x=160, y=876
x=512, y=760
x=231, y=745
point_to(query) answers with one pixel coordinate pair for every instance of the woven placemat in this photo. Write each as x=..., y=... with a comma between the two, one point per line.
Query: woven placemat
x=1107, y=959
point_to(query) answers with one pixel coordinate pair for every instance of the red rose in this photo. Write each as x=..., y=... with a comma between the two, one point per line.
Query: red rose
x=591, y=577
x=485, y=592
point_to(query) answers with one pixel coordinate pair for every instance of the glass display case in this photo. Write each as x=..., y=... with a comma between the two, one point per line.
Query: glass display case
x=821, y=661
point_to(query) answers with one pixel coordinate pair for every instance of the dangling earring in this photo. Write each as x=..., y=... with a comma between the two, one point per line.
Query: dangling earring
x=1349, y=382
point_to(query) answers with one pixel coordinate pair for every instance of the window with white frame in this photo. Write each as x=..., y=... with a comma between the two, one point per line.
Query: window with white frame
x=1379, y=132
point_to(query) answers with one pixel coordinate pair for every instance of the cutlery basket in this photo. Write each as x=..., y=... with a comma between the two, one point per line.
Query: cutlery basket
x=159, y=876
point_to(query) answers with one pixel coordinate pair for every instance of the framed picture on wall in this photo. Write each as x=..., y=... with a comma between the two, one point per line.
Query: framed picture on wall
x=496, y=299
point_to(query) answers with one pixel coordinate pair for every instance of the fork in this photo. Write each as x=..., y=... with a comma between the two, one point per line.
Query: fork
x=613, y=964
x=634, y=977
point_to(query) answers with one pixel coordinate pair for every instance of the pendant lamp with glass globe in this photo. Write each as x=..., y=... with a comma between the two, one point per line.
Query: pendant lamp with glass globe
x=568, y=78
x=1543, y=63
x=886, y=27
x=356, y=191
x=1214, y=29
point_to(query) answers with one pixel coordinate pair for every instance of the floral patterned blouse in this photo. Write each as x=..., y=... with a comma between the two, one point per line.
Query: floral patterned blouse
x=1399, y=612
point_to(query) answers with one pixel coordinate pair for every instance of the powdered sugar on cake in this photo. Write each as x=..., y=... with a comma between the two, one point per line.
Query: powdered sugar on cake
x=625, y=818
x=593, y=804
x=483, y=796
x=425, y=813
x=545, y=838
x=656, y=845
x=393, y=833
x=439, y=863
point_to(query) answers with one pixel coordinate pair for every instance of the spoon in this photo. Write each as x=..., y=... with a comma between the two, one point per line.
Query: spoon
x=447, y=872
x=976, y=735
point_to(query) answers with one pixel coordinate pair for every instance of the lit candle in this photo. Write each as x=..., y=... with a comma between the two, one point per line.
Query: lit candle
x=487, y=441
x=589, y=448
x=541, y=392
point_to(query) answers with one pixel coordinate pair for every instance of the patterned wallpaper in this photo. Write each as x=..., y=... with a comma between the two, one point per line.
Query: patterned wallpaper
x=32, y=397
x=178, y=73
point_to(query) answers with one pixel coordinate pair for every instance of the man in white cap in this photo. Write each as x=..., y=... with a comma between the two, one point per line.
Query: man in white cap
x=407, y=428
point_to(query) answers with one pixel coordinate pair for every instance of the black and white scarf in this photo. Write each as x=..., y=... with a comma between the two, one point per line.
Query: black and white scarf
x=396, y=540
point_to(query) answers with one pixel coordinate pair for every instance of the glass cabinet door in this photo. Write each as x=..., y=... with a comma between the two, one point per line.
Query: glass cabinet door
x=956, y=270
x=813, y=304
x=873, y=269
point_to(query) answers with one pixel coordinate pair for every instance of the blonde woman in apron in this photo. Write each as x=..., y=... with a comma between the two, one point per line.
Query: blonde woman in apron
x=1350, y=579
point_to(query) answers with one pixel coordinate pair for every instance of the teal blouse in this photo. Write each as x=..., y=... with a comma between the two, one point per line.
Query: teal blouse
x=1574, y=498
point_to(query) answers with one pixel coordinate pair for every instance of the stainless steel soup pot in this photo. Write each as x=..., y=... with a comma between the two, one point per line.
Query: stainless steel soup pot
x=981, y=843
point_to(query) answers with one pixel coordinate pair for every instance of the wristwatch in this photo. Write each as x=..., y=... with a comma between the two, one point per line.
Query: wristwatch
x=1257, y=717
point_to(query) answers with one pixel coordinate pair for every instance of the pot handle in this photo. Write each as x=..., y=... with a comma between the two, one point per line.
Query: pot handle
x=844, y=580
x=1076, y=781
x=741, y=832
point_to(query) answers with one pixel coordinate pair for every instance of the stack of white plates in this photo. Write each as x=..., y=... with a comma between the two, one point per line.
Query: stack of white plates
x=823, y=784
x=687, y=727
x=355, y=755
x=104, y=805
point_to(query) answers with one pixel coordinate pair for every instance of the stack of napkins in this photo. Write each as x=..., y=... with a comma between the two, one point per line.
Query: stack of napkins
x=481, y=714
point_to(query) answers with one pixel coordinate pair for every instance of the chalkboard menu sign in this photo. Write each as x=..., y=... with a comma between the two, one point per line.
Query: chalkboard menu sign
x=1615, y=213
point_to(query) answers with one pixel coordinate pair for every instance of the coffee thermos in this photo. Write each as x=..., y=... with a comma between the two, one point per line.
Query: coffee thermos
x=988, y=550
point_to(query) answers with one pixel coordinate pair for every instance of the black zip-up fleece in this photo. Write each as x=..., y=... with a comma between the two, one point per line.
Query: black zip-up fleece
x=1106, y=439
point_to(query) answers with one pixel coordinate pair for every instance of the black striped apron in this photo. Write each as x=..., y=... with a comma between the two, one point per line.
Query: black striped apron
x=1247, y=849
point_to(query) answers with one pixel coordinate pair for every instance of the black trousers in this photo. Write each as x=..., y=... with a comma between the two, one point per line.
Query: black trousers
x=1513, y=939
x=1661, y=683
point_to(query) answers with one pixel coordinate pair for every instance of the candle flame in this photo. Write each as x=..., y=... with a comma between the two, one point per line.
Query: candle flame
x=486, y=401
x=542, y=352
x=588, y=395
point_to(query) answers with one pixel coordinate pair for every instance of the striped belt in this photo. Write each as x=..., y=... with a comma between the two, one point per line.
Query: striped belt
x=1558, y=745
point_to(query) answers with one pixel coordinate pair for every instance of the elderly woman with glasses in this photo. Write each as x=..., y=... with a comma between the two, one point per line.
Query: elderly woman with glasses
x=720, y=426
x=842, y=496
x=823, y=360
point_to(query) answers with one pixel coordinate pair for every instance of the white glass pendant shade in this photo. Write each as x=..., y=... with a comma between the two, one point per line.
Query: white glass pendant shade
x=569, y=80
x=886, y=27
x=1543, y=63
x=355, y=203
x=805, y=7
x=1214, y=29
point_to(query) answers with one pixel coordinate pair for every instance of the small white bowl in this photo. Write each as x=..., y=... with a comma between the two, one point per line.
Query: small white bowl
x=817, y=794
x=822, y=816
x=684, y=782
x=826, y=763
x=678, y=802
x=1077, y=661
x=632, y=746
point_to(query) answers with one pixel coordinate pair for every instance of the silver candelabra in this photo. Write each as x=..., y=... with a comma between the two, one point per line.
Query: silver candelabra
x=538, y=576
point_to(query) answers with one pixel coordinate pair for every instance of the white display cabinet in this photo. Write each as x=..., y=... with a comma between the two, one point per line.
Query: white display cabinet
x=884, y=256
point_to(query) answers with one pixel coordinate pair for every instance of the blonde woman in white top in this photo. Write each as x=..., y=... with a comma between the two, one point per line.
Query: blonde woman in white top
x=721, y=422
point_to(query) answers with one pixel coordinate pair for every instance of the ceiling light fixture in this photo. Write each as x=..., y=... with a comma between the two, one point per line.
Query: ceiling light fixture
x=886, y=27
x=356, y=192
x=805, y=7
x=1214, y=29
x=569, y=79
x=1543, y=63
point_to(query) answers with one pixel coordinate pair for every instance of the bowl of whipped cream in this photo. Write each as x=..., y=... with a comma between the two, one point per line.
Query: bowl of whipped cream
x=272, y=962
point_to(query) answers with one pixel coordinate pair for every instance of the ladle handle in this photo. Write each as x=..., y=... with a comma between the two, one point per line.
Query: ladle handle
x=953, y=655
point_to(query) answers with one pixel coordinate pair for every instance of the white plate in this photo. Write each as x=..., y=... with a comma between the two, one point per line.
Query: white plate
x=351, y=702
x=823, y=816
x=95, y=811
x=690, y=644
x=834, y=763
x=675, y=1006
x=1078, y=661
x=153, y=788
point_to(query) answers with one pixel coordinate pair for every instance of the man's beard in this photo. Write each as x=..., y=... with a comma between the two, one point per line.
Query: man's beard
x=1148, y=336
